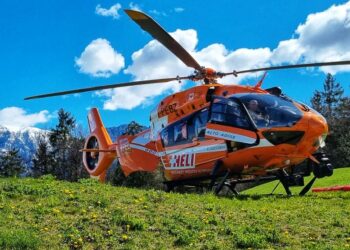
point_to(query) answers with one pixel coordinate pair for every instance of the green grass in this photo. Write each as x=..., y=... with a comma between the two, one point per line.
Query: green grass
x=49, y=214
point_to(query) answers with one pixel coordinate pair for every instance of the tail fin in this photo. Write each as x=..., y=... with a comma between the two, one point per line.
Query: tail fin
x=99, y=152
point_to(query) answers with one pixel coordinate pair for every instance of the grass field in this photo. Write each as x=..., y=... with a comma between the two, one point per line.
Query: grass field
x=49, y=214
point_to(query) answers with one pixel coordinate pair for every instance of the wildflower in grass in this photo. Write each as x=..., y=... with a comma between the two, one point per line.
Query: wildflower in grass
x=83, y=211
x=94, y=216
x=110, y=232
x=125, y=237
x=145, y=207
x=46, y=229
x=56, y=210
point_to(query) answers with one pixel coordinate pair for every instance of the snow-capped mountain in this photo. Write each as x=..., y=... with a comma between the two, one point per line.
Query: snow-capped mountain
x=25, y=140
x=114, y=132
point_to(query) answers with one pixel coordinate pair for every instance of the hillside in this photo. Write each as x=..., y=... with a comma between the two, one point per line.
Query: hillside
x=45, y=213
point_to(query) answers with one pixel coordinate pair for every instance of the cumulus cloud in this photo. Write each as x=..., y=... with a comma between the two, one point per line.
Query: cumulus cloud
x=16, y=118
x=150, y=62
x=324, y=36
x=155, y=61
x=99, y=59
x=112, y=11
x=134, y=6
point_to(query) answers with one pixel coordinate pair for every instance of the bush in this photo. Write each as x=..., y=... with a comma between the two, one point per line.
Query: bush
x=116, y=177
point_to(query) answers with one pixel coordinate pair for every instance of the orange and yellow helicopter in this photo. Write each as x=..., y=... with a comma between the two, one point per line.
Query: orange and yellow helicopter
x=217, y=134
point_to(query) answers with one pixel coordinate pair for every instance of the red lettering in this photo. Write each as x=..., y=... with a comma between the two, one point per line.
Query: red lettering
x=192, y=160
x=177, y=158
x=187, y=160
x=183, y=160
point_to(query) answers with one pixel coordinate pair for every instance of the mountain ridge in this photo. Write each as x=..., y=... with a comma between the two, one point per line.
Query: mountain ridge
x=26, y=140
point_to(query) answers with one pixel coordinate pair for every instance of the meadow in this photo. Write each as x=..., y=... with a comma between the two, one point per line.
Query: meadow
x=48, y=214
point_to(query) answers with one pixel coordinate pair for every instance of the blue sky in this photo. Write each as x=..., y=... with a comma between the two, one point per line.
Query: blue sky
x=42, y=45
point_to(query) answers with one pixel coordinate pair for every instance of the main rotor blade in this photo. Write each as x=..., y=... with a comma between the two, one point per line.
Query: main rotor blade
x=289, y=67
x=109, y=86
x=156, y=31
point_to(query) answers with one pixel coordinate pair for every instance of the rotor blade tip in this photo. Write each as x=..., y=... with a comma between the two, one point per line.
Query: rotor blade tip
x=135, y=14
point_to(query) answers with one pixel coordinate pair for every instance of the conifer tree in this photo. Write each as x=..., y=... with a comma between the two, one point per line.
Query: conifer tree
x=11, y=163
x=336, y=109
x=65, y=148
x=43, y=161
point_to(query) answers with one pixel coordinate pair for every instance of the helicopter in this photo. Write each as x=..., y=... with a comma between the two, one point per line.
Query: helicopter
x=213, y=134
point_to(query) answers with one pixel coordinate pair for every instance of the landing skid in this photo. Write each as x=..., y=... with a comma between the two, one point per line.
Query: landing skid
x=217, y=184
x=220, y=179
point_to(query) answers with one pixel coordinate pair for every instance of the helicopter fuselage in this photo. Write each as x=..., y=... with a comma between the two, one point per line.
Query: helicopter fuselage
x=250, y=130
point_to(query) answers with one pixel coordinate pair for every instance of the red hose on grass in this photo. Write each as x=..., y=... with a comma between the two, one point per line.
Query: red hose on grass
x=334, y=188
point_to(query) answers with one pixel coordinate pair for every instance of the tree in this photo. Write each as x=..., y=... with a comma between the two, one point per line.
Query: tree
x=133, y=128
x=43, y=161
x=11, y=163
x=65, y=146
x=336, y=109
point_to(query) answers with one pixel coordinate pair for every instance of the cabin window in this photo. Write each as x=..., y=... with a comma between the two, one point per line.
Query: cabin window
x=200, y=123
x=180, y=133
x=183, y=131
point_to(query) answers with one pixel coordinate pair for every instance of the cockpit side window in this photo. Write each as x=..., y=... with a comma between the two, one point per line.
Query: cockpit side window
x=229, y=112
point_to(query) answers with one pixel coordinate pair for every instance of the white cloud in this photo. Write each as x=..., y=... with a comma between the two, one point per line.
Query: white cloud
x=16, y=118
x=150, y=62
x=112, y=11
x=99, y=59
x=325, y=36
x=179, y=9
x=134, y=6
x=155, y=61
x=157, y=12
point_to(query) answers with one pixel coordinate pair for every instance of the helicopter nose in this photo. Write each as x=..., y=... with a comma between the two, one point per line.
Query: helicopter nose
x=318, y=127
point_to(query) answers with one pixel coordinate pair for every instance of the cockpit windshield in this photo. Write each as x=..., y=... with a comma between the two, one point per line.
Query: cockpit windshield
x=270, y=111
